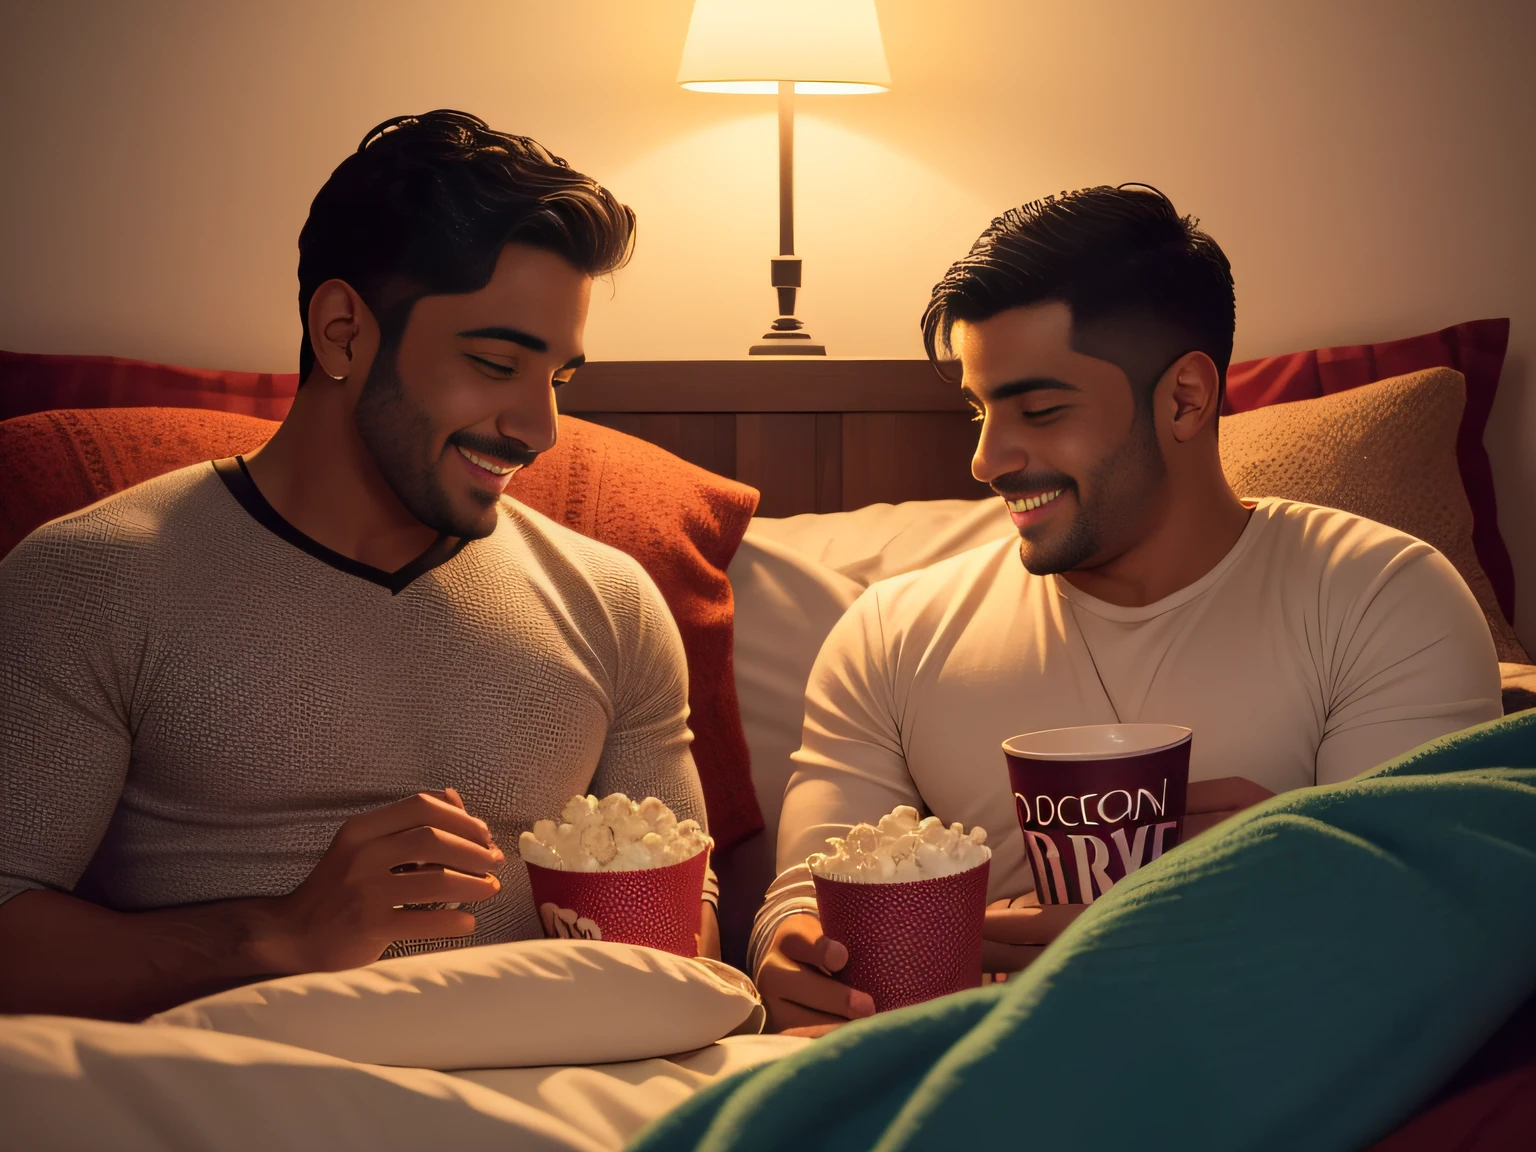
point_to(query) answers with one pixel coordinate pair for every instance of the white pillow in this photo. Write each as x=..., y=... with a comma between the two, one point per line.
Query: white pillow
x=515, y=1005
x=883, y=540
x=786, y=604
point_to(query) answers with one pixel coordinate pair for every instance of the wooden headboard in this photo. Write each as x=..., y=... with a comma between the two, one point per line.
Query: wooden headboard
x=810, y=434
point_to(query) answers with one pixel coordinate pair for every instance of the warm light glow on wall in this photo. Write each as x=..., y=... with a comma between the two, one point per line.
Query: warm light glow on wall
x=827, y=47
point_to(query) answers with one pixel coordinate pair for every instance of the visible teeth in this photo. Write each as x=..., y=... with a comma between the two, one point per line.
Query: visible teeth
x=481, y=461
x=1030, y=503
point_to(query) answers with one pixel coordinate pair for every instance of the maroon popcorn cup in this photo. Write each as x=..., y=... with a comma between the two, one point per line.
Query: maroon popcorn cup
x=1097, y=802
x=654, y=907
x=907, y=941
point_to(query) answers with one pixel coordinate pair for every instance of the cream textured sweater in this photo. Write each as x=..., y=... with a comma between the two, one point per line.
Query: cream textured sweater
x=194, y=696
x=1320, y=646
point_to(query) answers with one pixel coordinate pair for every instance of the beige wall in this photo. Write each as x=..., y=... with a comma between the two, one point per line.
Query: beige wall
x=1368, y=166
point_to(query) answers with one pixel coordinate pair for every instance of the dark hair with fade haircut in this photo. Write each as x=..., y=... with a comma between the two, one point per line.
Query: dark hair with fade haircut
x=427, y=203
x=1115, y=256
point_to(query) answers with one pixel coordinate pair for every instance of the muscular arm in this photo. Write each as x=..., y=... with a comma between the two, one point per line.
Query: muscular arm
x=850, y=765
x=68, y=957
x=646, y=752
x=1414, y=662
x=64, y=956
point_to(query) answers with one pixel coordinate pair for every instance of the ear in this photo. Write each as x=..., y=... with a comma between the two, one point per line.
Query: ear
x=1193, y=394
x=339, y=323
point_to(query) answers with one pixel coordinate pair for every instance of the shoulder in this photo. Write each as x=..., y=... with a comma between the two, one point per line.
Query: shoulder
x=940, y=585
x=1340, y=547
x=570, y=560
x=917, y=605
x=125, y=528
x=1349, y=566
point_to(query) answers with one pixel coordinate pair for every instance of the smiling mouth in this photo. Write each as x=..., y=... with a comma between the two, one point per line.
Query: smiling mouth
x=1030, y=503
x=491, y=466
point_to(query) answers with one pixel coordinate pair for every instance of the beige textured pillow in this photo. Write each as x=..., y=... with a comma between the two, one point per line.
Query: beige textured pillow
x=76, y=1084
x=1385, y=451
x=517, y=1005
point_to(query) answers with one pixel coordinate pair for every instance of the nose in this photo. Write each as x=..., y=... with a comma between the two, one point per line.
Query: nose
x=531, y=417
x=995, y=455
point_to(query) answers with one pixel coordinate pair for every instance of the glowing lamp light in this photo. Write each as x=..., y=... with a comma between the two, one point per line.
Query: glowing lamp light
x=763, y=47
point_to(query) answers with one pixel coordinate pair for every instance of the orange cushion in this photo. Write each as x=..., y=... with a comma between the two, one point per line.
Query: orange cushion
x=681, y=523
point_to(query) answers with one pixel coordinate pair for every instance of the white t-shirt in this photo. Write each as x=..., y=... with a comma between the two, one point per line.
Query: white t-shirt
x=1320, y=646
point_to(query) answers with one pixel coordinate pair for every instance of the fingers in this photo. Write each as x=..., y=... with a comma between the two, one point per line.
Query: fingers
x=997, y=957
x=436, y=887
x=421, y=810
x=822, y=952
x=426, y=845
x=436, y=924
x=1036, y=926
x=783, y=980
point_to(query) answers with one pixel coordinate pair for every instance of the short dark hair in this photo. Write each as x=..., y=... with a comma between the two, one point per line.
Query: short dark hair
x=1109, y=254
x=426, y=204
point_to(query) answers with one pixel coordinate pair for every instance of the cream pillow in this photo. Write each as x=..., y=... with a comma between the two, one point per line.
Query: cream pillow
x=517, y=1005
x=1385, y=451
x=75, y=1084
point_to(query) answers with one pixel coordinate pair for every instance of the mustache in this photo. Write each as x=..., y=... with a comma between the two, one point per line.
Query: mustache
x=1012, y=484
x=504, y=448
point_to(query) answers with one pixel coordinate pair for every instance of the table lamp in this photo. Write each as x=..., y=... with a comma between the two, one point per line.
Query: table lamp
x=810, y=47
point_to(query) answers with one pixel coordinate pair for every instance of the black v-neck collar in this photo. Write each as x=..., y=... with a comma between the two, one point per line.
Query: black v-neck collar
x=238, y=480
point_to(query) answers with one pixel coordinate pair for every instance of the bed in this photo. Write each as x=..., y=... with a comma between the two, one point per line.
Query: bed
x=862, y=471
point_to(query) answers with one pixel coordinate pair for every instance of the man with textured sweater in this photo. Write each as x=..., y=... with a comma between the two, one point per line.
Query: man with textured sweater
x=274, y=714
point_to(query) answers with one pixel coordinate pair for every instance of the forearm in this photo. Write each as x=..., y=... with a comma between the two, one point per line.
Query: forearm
x=792, y=893
x=63, y=956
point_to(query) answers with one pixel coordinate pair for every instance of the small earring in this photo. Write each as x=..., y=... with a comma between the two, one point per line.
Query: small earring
x=338, y=379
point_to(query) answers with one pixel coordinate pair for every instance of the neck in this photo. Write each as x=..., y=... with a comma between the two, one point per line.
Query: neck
x=1194, y=526
x=318, y=475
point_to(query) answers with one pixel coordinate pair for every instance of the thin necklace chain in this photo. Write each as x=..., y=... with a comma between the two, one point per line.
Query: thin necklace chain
x=1083, y=636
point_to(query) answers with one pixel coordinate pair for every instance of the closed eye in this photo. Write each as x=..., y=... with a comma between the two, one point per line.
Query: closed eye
x=1041, y=413
x=505, y=371
x=977, y=414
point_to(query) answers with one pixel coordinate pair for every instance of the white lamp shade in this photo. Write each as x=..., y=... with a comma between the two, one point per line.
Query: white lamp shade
x=825, y=46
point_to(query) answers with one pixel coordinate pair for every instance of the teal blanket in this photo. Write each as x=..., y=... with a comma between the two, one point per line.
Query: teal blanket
x=1304, y=975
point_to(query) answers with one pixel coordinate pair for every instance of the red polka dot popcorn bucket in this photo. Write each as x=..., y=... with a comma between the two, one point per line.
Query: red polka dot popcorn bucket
x=907, y=898
x=617, y=870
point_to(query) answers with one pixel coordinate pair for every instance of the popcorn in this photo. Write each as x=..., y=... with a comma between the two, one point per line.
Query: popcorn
x=614, y=834
x=901, y=848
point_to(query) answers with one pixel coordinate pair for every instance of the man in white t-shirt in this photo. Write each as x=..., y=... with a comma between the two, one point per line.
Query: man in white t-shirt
x=1303, y=645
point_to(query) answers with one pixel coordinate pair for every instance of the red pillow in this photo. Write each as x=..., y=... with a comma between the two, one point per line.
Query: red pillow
x=1475, y=349
x=33, y=383
x=681, y=523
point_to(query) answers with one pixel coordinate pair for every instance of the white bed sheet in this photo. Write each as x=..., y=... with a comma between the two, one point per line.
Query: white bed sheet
x=69, y=1083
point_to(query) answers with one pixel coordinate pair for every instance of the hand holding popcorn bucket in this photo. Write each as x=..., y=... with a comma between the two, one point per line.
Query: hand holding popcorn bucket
x=617, y=870
x=1097, y=802
x=907, y=898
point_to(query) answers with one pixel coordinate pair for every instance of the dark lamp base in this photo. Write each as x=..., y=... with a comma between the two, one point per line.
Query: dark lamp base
x=781, y=343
